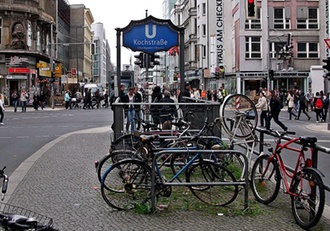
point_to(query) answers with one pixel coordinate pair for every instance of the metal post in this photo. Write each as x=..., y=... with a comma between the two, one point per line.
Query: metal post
x=51, y=65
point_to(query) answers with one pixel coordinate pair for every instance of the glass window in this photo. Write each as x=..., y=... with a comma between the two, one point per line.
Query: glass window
x=252, y=47
x=307, y=50
x=280, y=22
x=253, y=24
x=0, y=30
x=311, y=22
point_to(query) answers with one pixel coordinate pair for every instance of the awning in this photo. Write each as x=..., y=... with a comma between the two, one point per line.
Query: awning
x=16, y=77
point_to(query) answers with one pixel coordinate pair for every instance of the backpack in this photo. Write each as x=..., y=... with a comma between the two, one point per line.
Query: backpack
x=318, y=103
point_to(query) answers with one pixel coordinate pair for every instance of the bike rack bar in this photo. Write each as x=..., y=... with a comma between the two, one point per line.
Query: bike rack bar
x=245, y=183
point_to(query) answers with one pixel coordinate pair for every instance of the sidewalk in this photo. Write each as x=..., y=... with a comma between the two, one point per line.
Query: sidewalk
x=59, y=181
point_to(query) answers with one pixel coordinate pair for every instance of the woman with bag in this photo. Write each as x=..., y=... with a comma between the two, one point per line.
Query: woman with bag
x=291, y=104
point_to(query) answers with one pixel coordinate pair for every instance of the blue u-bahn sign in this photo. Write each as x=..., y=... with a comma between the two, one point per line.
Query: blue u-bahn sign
x=150, y=35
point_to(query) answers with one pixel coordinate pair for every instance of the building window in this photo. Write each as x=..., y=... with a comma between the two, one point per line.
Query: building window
x=204, y=51
x=0, y=30
x=38, y=39
x=203, y=8
x=252, y=47
x=203, y=30
x=307, y=50
x=253, y=24
x=280, y=21
x=311, y=22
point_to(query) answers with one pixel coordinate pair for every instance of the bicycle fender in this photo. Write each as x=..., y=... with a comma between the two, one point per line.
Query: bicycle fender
x=314, y=170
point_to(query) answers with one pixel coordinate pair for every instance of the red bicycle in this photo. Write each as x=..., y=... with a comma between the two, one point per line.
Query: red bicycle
x=304, y=184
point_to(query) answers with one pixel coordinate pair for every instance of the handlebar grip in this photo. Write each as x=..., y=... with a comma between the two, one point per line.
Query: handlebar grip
x=5, y=184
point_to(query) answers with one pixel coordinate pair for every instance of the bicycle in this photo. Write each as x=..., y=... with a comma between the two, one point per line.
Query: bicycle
x=136, y=145
x=306, y=188
x=14, y=218
x=130, y=184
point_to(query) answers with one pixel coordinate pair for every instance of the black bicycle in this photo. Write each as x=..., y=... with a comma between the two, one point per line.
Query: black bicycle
x=15, y=218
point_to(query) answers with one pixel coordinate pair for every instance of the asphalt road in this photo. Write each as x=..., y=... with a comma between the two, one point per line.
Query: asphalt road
x=25, y=133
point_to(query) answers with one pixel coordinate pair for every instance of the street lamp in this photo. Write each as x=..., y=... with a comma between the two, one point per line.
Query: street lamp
x=52, y=65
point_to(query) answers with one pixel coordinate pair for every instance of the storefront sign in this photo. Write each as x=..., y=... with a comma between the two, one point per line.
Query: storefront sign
x=18, y=70
x=220, y=31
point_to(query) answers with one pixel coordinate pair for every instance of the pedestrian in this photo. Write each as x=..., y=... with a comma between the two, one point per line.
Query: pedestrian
x=263, y=106
x=35, y=101
x=130, y=111
x=2, y=110
x=185, y=93
x=97, y=96
x=168, y=110
x=325, y=107
x=106, y=99
x=156, y=96
x=291, y=104
x=23, y=98
x=138, y=112
x=302, y=106
x=67, y=99
x=274, y=111
x=318, y=107
x=309, y=103
x=42, y=99
x=88, y=100
x=15, y=98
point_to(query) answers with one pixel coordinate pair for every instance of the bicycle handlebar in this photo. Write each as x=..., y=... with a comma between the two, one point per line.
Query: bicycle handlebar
x=4, y=182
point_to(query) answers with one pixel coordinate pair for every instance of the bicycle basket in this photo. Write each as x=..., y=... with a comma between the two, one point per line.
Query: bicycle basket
x=42, y=221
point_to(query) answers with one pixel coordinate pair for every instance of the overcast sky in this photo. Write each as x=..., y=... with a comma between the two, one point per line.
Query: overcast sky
x=119, y=13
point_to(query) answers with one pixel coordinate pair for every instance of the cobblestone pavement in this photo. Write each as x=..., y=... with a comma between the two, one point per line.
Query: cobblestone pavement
x=60, y=181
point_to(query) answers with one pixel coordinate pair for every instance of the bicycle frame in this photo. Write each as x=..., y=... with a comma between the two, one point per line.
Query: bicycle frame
x=300, y=163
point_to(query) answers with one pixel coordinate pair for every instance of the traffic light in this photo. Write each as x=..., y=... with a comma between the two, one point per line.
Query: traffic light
x=52, y=78
x=327, y=64
x=251, y=9
x=153, y=60
x=271, y=74
x=139, y=60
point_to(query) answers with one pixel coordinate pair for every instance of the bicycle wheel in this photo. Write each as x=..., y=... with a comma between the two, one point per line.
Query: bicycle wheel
x=265, y=179
x=307, y=203
x=239, y=115
x=127, y=142
x=208, y=171
x=116, y=156
x=127, y=184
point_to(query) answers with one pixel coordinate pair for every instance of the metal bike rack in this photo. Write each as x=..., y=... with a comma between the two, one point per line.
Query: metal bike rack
x=244, y=183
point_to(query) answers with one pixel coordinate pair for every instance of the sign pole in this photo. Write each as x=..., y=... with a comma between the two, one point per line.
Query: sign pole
x=52, y=65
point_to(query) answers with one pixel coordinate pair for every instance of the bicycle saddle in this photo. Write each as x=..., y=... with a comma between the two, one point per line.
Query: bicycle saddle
x=308, y=140
x=148, y=138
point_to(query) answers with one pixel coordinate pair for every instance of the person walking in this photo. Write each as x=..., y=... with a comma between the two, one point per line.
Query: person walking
x=23, y=98
x=274, y=111
x=263, y=106
x=130, y=111
x=35, y=101
x=156, y=96
x=15, y=97
x=137, y=108
x=168, y=110
x=291, y=104
x=325, y=107
x=42, y=99
x=88, y=100
x=67, y=99
x=302, y=106
x=318, y=107
x=2, y=110
x=106, y=99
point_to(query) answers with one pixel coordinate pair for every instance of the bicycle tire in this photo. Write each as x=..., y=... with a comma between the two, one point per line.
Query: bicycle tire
x=306, y=212
x=129, y=182
x=127, y=142
x=116, y=156
x=265, y=179
x=208, y=171
x=239, y=115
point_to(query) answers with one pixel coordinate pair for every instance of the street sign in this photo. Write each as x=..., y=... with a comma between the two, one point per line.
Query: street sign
x=150, y=35
x=327, y=42
x=73, y=72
